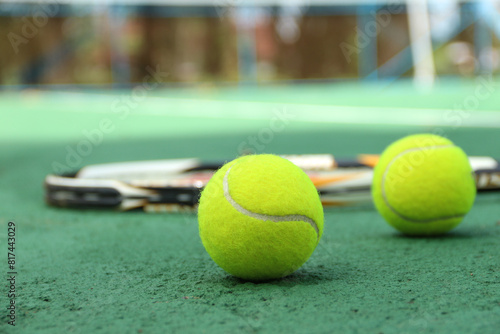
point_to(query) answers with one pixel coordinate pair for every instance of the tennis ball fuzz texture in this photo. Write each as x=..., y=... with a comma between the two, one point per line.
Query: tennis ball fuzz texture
x=423, y=185
x=260, y=217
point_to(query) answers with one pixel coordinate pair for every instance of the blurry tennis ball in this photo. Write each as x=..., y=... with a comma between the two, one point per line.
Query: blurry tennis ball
x=260, y=217
x=423, y=185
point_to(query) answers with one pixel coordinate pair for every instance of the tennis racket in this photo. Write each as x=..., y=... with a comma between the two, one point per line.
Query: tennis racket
x=175, y=185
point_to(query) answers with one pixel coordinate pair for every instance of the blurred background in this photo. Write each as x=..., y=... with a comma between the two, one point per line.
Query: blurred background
x=112, y=43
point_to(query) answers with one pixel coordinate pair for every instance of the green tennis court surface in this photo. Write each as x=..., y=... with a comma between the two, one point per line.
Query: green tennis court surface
x=109, y=272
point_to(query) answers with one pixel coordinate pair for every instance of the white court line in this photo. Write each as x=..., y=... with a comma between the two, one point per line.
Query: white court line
x=309, y=113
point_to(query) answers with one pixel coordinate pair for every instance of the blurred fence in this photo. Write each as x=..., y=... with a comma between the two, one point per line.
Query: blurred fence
x=116, y=43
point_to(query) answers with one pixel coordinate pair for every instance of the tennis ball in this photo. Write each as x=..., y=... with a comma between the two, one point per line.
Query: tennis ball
x=423, y=185
x=260, y=217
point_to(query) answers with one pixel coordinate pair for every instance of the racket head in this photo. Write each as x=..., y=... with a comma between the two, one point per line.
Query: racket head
x=176, y=185
x=150, y=194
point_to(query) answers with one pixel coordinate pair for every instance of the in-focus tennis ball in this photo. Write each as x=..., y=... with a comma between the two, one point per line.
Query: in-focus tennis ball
x=423, y=185
x=260, y=217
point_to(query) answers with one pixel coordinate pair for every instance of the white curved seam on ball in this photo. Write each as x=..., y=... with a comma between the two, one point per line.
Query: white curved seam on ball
x=384, y=196
x=261, y=216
